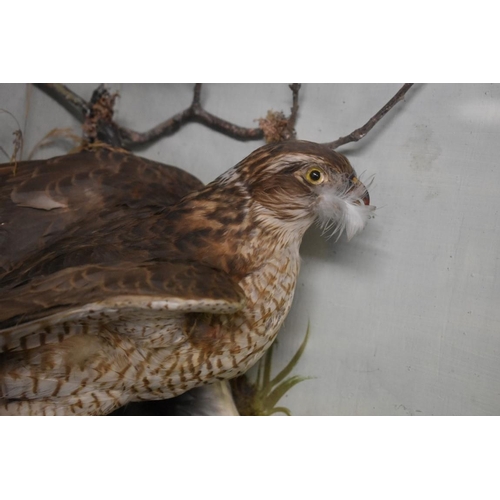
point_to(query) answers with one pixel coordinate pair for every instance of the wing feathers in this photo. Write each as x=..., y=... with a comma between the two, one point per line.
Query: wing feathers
x=104, y=293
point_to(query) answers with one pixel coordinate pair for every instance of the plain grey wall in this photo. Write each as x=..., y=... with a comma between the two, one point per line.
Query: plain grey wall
x=405, y=318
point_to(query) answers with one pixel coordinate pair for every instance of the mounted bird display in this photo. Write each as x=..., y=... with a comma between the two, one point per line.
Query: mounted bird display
x=134, y=282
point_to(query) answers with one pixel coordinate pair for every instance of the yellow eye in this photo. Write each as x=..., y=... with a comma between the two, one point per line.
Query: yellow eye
x=315, y=176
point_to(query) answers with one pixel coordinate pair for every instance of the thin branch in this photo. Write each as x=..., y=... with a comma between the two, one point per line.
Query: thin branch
x=362, y=131
x=197, y=94
x=66, y=134
x=62, y=94
x=195, y=113
x=227, y=128
x=168, y=127
x=131, y=138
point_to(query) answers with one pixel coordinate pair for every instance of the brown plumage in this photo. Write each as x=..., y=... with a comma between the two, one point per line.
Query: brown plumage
x=145, y=288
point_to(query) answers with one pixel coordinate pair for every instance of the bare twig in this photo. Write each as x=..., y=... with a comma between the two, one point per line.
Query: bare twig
x=359, y=133
x=62, y=94
x=197, y=94
x=130, y=138
x=195, y=113
x=274, y=127
x=56, y=134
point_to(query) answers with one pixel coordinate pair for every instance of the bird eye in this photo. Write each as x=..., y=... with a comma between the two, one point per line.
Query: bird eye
x=315, y=176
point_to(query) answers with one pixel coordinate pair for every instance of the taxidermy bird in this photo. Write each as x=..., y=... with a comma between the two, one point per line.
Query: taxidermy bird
x=143, y=289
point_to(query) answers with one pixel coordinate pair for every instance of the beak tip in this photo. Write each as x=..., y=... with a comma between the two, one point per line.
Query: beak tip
x=358, y=185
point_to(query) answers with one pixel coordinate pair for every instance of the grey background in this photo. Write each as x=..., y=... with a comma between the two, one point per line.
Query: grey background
x=405, y=318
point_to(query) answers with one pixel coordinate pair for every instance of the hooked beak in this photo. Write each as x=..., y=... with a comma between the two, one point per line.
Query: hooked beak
x=361, y=188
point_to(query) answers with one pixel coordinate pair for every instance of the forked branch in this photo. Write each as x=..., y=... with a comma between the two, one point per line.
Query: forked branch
x=274, y=127
x=194, y=113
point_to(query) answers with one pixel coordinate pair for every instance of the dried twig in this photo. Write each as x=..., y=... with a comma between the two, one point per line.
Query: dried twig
x=274, y=127
x=62, y=94
x=56, y=134
x=362, y=131
x=195, y=113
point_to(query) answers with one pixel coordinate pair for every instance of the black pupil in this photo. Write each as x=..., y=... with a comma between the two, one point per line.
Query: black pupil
x=315, y=175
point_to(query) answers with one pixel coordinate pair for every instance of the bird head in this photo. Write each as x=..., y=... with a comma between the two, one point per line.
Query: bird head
x=292, y=184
